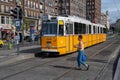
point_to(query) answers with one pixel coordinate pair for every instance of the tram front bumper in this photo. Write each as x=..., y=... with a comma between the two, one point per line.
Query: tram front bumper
x=49, y=50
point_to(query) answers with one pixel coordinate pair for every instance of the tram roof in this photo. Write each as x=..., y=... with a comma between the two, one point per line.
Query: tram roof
x=98, y=25
x=74, y=19
x=78, y=19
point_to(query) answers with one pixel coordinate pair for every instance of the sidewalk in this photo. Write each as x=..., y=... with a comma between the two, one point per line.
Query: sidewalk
x=10, y=56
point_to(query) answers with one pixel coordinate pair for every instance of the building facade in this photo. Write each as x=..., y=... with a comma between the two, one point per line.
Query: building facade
x=6, y=22
x=93, y=10
x=78, y=8
x=117, y=26
x=105, y=20
x=72, y=7
x=31, y=12
x=5, y=18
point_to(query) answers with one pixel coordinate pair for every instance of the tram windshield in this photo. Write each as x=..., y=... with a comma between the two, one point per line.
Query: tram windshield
x=49, y=28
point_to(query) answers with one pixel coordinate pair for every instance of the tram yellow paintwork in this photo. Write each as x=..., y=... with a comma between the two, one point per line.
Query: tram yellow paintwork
x=66, y=44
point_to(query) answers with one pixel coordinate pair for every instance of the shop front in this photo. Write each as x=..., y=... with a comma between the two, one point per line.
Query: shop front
x=6, y=30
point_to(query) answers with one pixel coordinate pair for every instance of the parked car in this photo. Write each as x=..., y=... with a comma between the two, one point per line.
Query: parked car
x=1, y=43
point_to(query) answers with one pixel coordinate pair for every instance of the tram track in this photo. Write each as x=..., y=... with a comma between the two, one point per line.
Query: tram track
x=47, y=62
x=100, y=72
x=35, y=65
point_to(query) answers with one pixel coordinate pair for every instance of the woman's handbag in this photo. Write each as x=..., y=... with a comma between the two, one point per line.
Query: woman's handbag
x=84, y=57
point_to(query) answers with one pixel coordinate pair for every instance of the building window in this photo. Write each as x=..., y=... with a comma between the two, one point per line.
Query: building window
x=36, y=5
x=31, y=4
x=41, y=7
x=25, y=2
x=28, y=3
x=26, y=13
x=7, y=20
x=11, y=9
x=31, y=13
x=2, y=8
x=36, y=15
x=7, y=9
x=3, y=19
x=6, y=0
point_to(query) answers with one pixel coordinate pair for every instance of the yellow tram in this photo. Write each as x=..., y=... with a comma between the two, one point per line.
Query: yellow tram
x=60, y=34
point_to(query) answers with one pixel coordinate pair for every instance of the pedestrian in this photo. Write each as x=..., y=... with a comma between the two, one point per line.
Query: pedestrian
x=17, y=38
x=80, y=47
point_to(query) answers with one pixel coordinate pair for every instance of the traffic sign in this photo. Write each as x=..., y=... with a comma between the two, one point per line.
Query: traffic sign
x=18, y=24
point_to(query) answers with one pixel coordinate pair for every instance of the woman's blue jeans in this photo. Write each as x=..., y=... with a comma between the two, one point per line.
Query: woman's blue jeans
x=79, y=58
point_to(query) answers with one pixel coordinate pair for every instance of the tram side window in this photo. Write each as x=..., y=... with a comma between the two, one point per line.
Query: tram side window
x=69, y=28
x=84, y=29
x=101, y=30
x=89, y=29
x=80, y=28
x=93, y=29
x=98, y=30
x=61, y=29
x=76, y=26
x=104, y=30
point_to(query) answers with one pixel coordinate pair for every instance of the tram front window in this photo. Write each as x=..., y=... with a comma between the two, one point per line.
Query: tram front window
x=61, y=30
x=49, y=28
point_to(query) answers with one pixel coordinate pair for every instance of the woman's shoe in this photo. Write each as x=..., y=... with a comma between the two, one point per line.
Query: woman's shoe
x=87, y=67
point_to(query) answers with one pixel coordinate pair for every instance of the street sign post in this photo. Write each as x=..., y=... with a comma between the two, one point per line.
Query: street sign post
x=16, y=13
x=18, y=24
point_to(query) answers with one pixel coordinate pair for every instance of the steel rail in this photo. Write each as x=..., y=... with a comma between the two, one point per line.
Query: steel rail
x=72, y=68
x=32, y=67
x=54, y=60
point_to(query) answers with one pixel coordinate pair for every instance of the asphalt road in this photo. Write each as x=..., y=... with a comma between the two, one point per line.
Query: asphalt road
x=101, y=58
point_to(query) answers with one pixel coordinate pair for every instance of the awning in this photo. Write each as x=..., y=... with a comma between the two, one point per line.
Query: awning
x=5, y=26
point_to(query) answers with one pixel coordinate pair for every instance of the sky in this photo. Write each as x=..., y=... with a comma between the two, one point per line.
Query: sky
x=113, y=7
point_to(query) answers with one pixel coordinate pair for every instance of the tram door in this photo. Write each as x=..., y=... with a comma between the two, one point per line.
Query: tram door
x=69, y=36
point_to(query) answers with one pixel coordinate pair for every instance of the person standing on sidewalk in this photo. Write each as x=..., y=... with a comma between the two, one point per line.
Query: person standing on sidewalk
x=80, y=47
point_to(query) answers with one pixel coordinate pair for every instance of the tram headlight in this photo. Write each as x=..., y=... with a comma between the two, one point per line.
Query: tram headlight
x=48, y=44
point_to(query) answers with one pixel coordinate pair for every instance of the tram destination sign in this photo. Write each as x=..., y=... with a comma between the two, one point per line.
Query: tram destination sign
x=45, y=17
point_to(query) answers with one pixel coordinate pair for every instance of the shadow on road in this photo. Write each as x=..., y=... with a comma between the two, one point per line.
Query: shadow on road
x=66, y=67
x=97, y=60
x=33, y=50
